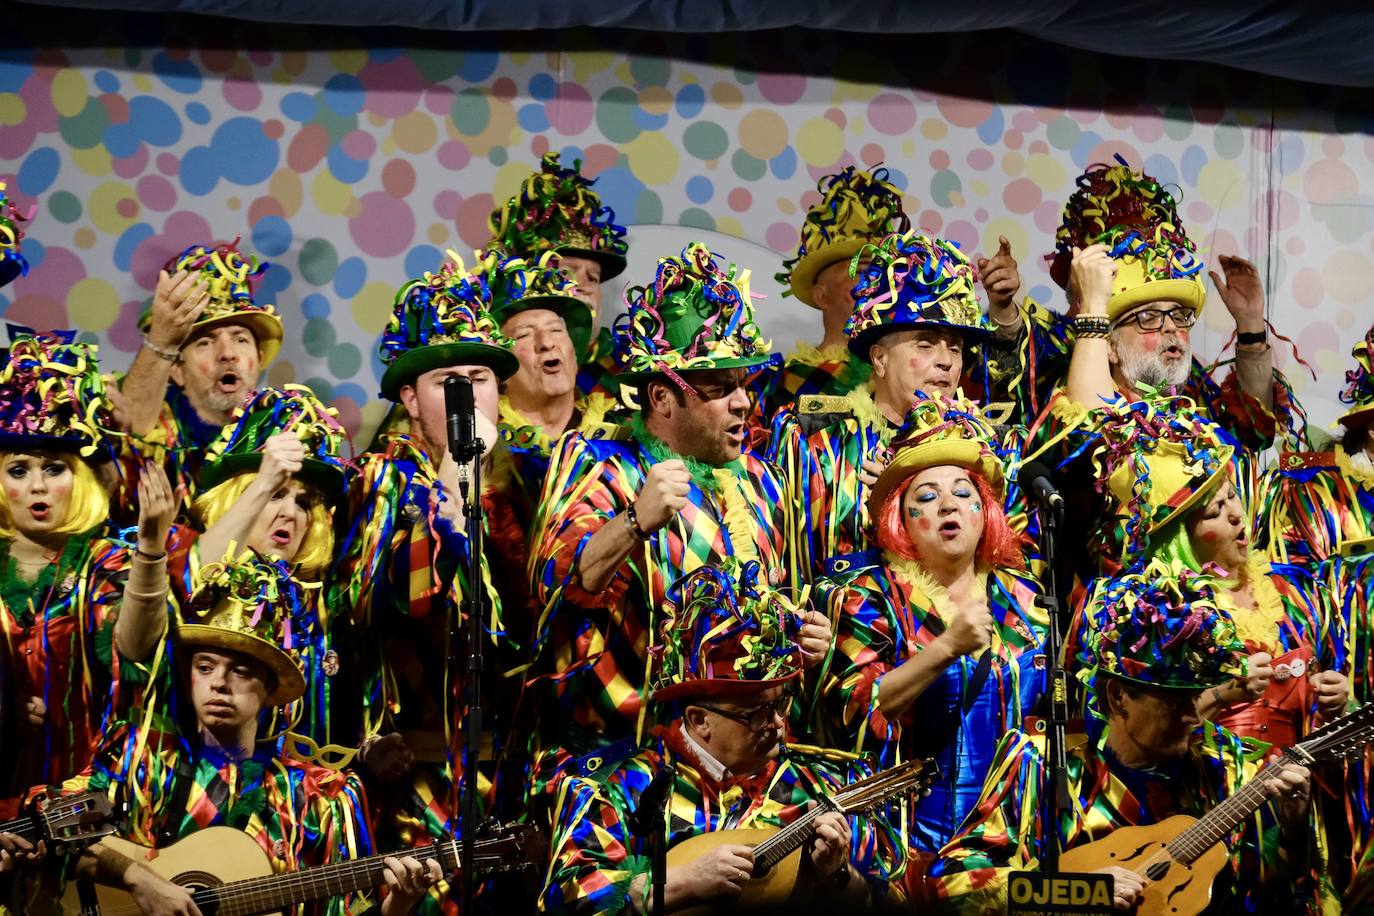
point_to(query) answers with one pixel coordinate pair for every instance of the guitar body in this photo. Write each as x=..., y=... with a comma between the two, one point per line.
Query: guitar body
x=1183, y=890
x=206, y=858
x=770, y=889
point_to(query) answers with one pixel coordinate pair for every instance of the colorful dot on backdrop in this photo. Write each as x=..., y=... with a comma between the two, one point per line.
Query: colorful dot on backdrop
x=351, y=170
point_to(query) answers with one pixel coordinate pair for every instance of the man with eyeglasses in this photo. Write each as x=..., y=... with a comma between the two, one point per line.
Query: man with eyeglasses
x=622, y=517
x=727, y=664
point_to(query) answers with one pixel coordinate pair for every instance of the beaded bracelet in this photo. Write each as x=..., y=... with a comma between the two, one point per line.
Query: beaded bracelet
x=171, y=356
x=1092, y=326
x=632, y=522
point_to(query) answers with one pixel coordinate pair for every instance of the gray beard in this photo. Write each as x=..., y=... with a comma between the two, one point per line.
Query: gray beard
x=1151, y=369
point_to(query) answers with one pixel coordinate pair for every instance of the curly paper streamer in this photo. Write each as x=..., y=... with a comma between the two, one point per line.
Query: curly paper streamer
x=451, y=306
x=854, y=205
x=915, y=279
x=51, y=386
x=727, y=615
x=1359, y=382
x=291, y=408
x=229, y=274
x=1132, y=213
x=11, y=236
x=255, y=594
x=555, y=208
x=687, y=288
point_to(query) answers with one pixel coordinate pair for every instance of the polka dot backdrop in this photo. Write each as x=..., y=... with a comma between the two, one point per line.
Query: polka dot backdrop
x=351, y=170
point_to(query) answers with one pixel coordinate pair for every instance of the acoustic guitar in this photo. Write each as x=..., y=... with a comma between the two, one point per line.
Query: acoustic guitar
x=229, y=874
x=1181, y=855
x=777, y=852
x=64, y=821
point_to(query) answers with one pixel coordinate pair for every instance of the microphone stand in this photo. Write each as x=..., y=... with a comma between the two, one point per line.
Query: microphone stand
x=473, y=606
x=1055, y=803
x=650, y=822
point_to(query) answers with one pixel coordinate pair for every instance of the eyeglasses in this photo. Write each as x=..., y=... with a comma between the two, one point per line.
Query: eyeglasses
x=758, y=718
x=1153, y=319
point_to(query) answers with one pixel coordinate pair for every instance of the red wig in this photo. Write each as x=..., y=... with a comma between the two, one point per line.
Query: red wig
x=1000, y=545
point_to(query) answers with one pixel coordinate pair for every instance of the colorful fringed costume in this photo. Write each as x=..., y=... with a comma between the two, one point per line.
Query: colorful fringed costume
x=174, y=783
x=404, y=568
x=725, y=634
x=557, y=210
x=58, y=626
x=593, y=648
x=232, y=462
x=1156, y=628
x=1314, y=505
x=180, y=439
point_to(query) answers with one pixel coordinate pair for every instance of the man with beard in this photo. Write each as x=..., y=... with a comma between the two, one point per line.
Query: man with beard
x=621, y=518
x=205, y=342
x=557, y=210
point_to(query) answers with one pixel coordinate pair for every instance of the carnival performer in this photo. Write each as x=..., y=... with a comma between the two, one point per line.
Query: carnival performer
x=1154, y=641
x=273, y=482
x=623, y=517
x=205, y=342
x=235, y=658
x=1313, y=505
x=405, y=567
x=557, y=210
x=917, y=315
x=1135, y=291
x=75, y=596
x=727, y=661
x=940, y=642
x=536, y=307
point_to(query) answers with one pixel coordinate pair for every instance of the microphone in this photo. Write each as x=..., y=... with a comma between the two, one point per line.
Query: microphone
x=648, y=815
x=1035, y=478
x=462, y=417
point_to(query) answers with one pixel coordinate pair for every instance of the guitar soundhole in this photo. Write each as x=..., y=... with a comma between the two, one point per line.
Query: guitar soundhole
x=196, y=880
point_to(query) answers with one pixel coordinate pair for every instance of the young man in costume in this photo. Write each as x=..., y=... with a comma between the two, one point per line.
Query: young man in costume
x=623, y=517
x=917, y=318
x=557, y=210
x=233, y=659
x=205, y=342
x=1153, y=641
x=405, y=566
x=728, y=659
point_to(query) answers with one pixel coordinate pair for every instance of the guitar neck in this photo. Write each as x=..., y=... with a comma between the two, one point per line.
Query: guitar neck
x=21, y=826
x=281, y=892
x=1216, y=824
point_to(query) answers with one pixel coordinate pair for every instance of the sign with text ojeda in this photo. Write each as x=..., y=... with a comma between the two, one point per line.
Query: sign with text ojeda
x=1034, y=894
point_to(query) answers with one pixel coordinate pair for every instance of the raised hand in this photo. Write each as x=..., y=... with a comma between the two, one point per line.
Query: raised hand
x=1261, y=672
x=1000, y=277
x=283, y=455
x=815, y=638
x=179, y=300
x=1333, y=692
x=663, y=495
x=1091, y=275
x=969, y=629
x=157, y=507
x=1241, y=292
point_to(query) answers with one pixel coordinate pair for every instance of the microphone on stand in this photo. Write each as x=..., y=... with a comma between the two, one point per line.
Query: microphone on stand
x=1035, y=478
x=461, y=417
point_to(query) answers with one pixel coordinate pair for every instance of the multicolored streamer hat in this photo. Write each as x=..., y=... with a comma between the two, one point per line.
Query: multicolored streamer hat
x=939, y=431
x=52, y=396
x=856, y=208
x=1359, y=385
x=1160, y=626
x=1138, y=218
x=695, y=316
x=1158, y=457
x=443, y=319
x=518, y=285
x=727, y=631
x=914, y=282
x=231, y=276
x=557, y=210
x=250, y=603
x=293, y=409
x=12, y=263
